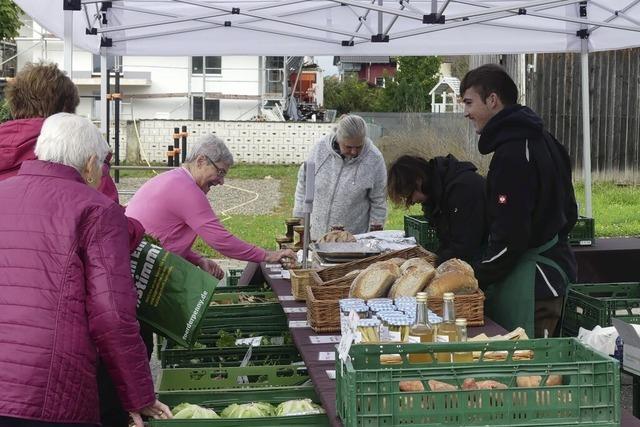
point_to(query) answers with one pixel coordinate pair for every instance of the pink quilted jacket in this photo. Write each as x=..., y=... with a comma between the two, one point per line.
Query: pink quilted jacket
x=66, y=294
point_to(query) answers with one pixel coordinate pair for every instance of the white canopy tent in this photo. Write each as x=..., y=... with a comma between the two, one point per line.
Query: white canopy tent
x=345, y=28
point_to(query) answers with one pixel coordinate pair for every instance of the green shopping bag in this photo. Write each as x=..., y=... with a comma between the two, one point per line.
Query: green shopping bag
x=173, y=294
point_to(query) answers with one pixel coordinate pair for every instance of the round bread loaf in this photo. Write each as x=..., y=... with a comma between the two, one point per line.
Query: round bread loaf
x=337, y=236
x=455, y=264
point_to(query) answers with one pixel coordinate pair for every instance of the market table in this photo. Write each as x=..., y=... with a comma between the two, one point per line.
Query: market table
x=312, y=353
x=609, y=260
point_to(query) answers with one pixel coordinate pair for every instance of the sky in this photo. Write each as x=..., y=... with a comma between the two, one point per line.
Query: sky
x=326, y=63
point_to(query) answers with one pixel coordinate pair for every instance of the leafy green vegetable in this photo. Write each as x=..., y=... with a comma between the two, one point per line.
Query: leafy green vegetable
x=248, y=410
x=189, y=411
x=298, y=407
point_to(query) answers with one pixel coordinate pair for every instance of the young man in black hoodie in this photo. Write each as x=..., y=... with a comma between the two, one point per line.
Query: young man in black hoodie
x=531, y=206
x=452, y=194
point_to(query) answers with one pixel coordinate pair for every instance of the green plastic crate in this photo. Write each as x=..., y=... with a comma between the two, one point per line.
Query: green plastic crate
x=417, y=226
x=229, y=306
x=231, y=280
x=228, y=356
x=583, y=233
x=220, y=399
x=228, y=396
x=368, y=392
x=185, y=379
x=589, y=305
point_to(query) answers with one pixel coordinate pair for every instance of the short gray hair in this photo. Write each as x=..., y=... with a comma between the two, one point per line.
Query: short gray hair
x=212, y=147
x=70, y=140
x=351, y=126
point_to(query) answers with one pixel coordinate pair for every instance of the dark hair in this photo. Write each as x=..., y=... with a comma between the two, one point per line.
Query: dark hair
x=403, y=177
x=488, y=79
x=41, y=90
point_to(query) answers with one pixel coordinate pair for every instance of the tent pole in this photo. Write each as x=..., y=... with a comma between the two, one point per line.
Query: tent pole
x=68, y=42
x=586, y=131
x=104, y=75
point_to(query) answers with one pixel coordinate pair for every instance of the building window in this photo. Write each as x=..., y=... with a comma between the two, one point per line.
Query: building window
x=211, y=109
x=212, y=64
x=380, y=81
x=111, y=63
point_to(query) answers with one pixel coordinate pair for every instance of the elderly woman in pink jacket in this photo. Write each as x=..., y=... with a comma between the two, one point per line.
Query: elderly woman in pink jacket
x=173, y=207
x=67, y=292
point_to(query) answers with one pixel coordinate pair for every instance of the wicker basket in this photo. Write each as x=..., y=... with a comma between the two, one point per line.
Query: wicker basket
x=471, y=307
x=334, y=276
x=300, y=279
x=323, y=314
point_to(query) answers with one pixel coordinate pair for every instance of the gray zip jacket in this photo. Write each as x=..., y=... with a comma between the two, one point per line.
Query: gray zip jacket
x=350, y=192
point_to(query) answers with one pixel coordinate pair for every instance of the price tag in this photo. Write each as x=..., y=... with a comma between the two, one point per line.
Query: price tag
x=331, y=373
x=345, y=345
x=274, y=266
x=286, y=298
x=324, y=339
x=298, y=324
x=253, y=341
x=286, y=274
x=294, y=309
x=327, y=355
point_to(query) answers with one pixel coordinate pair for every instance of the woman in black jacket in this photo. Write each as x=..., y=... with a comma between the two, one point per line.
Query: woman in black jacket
x=453, y=200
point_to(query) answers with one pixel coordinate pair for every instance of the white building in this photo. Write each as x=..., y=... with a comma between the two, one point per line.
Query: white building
x=234, y=87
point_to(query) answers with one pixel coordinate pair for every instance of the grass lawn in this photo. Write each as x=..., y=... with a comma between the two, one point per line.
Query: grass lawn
x=616, y=208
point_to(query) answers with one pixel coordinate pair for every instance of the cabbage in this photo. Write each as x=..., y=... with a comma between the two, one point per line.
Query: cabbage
x=187, y=411
x=248, y=410
x=298, y=407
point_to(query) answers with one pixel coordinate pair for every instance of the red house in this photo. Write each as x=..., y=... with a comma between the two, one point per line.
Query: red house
x=371, y=69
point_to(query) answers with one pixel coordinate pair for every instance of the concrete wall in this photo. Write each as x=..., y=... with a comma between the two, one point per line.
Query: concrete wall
x=252, y=142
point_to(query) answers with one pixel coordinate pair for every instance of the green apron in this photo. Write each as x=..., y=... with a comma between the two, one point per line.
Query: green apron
x=511, y=302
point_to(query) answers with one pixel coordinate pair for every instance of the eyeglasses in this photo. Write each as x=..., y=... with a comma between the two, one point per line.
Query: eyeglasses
x=220, y=171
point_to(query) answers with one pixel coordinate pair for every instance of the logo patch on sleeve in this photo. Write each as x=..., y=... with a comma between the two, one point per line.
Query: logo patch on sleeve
x=502, y=199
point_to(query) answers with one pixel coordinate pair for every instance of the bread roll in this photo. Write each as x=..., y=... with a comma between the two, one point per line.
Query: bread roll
x=372, y=283
x=419, y=263
x=436, y=385
x=490, y=384
x=411, y=385
x=534, y=381
x=455, y=264
x=452, y=281
x=410, y=283
x=337, y=236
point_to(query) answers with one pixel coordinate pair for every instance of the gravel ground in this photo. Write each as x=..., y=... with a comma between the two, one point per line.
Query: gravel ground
x=262, y=196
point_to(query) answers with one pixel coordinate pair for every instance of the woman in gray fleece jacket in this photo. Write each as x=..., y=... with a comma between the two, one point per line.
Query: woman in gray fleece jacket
x=350, y=181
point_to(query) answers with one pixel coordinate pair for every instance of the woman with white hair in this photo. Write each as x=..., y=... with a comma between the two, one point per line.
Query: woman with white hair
x=67, y=292
x=350, y=181
x=173, y=207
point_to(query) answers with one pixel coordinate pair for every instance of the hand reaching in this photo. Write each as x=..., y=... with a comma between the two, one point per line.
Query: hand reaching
x=158, y=411
x=284, y=256
x=211, y=267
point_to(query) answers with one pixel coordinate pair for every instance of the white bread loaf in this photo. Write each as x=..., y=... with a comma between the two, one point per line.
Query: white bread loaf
x=417, y=263
x=410, y=283
x=337, y=236
x=372, y=283
x=452, y=281
x=388, y=266
x=455, y=264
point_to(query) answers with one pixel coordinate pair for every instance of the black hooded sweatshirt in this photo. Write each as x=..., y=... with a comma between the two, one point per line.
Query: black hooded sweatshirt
x=530, y=199
x=456, y=208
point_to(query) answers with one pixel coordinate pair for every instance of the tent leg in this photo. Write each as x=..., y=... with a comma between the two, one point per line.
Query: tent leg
x=586, y=129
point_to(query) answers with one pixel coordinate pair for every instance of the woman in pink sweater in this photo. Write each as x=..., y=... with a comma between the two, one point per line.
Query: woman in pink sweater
x=173, y=207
